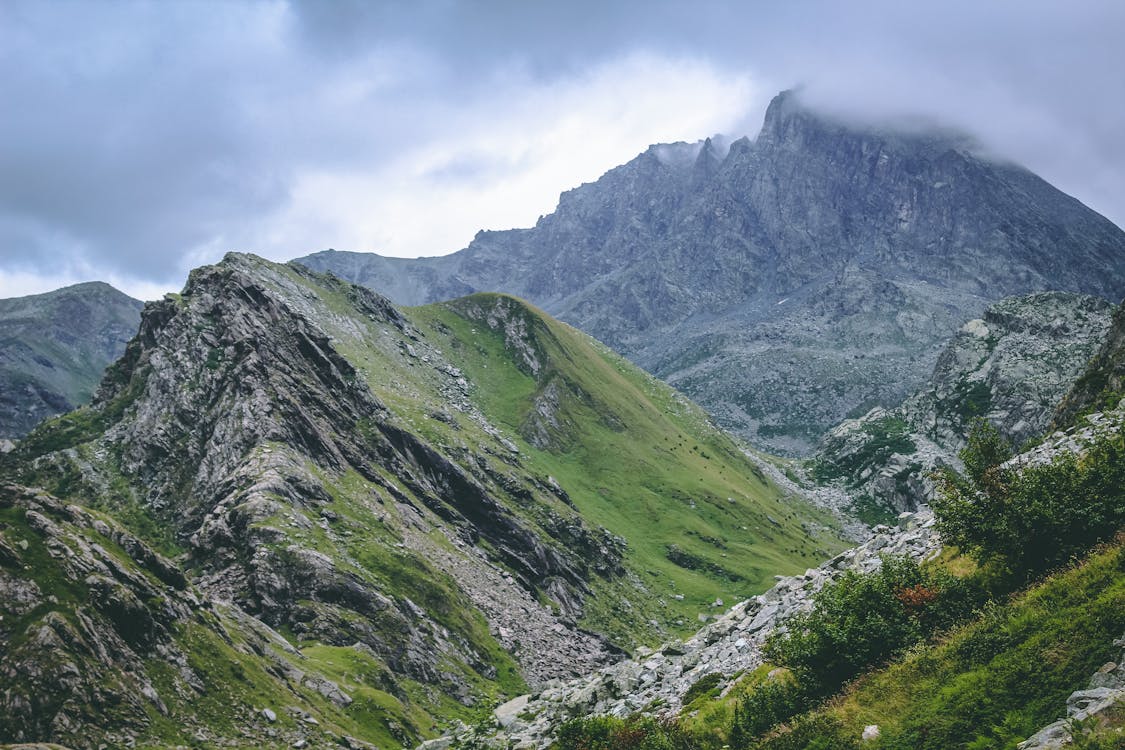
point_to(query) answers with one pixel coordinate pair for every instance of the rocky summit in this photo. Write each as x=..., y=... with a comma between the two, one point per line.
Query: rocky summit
x=788, y=282
x=54, y=348
x=294, y=513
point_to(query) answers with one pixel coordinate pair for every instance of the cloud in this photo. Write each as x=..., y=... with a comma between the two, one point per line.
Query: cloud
x=504, y=161
x=142, y=138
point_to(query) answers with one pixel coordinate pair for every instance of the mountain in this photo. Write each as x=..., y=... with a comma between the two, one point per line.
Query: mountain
x=788, y=282
x=54, y=348
x=1011, y=367
x=290, y=495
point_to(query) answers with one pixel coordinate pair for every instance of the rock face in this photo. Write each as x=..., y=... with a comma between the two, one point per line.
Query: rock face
x=787, y=282
x=1011, y=367
x=54, y=348
x=1102, y=382
x=404, y=495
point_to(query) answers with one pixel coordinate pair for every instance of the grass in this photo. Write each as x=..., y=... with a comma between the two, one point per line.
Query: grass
x=1000, y=678
x=636, y=458
x=697, y=520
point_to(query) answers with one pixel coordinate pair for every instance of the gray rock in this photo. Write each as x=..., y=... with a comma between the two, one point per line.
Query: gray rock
x=1011, y=367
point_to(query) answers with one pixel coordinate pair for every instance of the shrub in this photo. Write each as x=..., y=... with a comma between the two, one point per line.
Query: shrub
x=1028, y=520
x=768, y=705
x=612, y=733
x=815, y=732
x=861, y=620
x=703, y=686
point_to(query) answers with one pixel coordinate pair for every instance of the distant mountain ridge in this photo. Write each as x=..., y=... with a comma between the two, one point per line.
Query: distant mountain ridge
x=793, y=281
x=54, y=348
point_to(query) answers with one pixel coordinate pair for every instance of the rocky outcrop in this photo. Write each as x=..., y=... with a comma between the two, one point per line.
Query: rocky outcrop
x=107, y=644
x=84, y=605
x=1010, y=367
x=1086, y=708
x=1102, y=382
x=239, y=363
x=786, y=282
x=655, y=681
x=54, y=348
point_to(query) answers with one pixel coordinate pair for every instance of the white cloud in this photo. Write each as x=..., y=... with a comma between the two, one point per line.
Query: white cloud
x=23, y=283
x=501, y=162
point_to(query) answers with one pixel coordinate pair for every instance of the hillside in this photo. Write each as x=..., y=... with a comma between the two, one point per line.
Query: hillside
x=788, y=282
x=1010, y=367
x=427, y=508
x=984, y=645
x=54, y=348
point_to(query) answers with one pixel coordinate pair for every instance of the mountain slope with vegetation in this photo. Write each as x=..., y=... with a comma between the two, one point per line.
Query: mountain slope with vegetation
x=788, y=282
x=1103, y=380
x=962, y=652
x=420, y=509
x=1010, y=367
x=54, y=348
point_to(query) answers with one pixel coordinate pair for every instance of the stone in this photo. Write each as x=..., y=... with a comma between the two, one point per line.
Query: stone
x=506, y=713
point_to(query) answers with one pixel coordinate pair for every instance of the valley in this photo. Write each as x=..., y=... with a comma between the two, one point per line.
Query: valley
x=280, y=509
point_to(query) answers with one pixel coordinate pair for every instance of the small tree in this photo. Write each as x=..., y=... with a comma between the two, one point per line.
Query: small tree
x=1027, y=520
x=859, y=621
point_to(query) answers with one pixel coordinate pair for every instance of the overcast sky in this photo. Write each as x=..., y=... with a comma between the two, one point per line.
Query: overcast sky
x=141, y=139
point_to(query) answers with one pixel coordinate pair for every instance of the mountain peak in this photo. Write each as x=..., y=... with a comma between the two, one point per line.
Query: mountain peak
x=780, y=113
x=813, y=237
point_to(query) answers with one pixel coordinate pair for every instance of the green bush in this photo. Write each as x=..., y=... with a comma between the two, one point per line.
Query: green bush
x=815, y=732
x=1028, y=520
x=768, y=705
x=612, y=733
x=703, y=686
x=861, y=620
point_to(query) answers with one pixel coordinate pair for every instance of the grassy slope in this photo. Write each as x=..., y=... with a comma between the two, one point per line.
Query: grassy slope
x=1004, y=676
x=988, y=684
x=634, y=456
x=635, y=459
x=639, y=459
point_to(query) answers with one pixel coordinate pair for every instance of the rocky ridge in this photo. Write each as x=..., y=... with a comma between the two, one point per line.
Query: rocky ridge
x=784, y=283
x=104, y=638
x=1011, y=367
